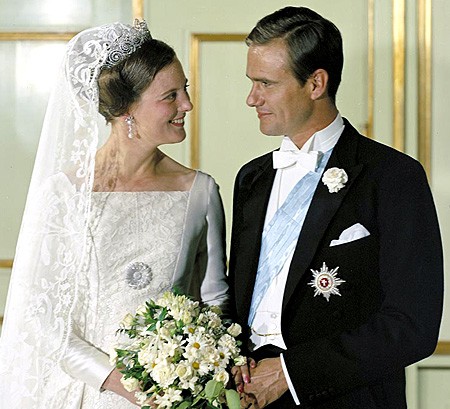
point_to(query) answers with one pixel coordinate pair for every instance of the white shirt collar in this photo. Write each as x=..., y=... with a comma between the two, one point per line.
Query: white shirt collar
x=321, y=141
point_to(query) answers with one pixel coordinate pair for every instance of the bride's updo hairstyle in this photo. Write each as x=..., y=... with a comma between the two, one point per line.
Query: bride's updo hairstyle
x=122, y=85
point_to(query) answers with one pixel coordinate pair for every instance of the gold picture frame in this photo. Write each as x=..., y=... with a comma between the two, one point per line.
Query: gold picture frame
x=195, y=48
x=424, y=90
x=36, y=36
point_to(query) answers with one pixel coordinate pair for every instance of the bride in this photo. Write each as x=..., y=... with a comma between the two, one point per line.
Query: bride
x=108, y=224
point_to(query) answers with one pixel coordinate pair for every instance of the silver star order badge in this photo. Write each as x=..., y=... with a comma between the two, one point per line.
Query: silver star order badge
x=326, y=282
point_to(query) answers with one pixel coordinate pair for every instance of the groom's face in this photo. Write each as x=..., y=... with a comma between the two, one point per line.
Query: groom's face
x=283, y=105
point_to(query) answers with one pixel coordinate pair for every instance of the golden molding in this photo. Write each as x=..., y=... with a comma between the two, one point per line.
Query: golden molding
x=443, y=348
x=424, y=88
x=370, y=67
x=398, y=32
x=44, y=36
x=6, y=263
x=194, y=66
x=138, y=9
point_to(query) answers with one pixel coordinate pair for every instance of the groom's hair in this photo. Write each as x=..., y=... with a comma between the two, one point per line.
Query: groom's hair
x=312, y=42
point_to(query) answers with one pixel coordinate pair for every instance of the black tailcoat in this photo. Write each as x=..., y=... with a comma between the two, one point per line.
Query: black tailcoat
x=350, y=352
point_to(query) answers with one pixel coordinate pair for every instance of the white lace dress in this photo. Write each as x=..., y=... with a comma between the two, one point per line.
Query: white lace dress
x=135, y=253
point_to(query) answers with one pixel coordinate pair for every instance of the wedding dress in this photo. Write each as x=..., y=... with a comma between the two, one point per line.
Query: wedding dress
x=135, y=243
x=140, y=244
x=128, y=227
x=84, y=258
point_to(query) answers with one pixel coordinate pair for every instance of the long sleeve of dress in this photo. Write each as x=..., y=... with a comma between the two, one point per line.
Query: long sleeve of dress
x=85, y=362
x=201, y=268
x=214, y=289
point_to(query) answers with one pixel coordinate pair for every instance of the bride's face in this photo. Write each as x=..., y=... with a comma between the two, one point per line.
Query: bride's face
x=159, y=113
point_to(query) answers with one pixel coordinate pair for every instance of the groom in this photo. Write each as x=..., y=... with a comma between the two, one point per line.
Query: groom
x=336, y=258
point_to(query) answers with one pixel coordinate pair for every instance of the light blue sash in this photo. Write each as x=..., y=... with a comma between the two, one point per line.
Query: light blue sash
x=280, y=236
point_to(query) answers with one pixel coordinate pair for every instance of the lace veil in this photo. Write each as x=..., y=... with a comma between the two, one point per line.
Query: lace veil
x=44, y=296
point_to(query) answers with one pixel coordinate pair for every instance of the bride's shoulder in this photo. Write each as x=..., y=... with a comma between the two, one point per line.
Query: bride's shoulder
x=182, y=176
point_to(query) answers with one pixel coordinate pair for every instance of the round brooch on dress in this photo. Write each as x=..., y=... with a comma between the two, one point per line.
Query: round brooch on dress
x=138, y=275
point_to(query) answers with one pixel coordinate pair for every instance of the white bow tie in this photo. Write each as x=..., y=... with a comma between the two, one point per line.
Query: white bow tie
x=284, y=159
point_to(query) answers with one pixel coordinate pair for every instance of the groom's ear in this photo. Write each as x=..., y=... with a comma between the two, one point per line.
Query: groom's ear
x=318, y=83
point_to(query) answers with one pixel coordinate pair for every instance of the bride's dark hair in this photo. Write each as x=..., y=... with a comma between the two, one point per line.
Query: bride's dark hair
x=122, y=85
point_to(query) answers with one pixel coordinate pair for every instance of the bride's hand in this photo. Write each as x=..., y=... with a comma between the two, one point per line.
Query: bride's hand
x=113, y=384
x=241, y=374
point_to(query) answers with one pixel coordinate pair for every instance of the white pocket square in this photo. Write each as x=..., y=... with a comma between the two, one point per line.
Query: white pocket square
x=355, y=232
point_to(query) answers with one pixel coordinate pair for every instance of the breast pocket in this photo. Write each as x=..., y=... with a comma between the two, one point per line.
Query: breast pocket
x=367, y=243
x=355, y=262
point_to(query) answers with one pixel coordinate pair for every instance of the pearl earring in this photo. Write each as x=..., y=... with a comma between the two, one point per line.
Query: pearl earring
x=130, y=121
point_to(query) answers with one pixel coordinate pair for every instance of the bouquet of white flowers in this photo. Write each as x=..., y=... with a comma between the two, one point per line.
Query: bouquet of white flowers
x=177, y=354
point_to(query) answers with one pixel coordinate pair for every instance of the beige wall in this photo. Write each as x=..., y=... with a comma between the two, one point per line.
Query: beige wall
x=229, y=134
x=228, y=129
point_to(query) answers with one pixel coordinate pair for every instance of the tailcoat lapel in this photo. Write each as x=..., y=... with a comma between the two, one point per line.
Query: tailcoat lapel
x=322, y=209
x=255, y=192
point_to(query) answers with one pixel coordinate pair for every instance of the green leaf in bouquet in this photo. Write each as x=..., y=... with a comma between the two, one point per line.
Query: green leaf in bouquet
x=163, y=314
x=150, y=304
x=152, y=327
x=177, y=291
x=232, y=397
x=149, y=319
x=122, y=352
x=183, y=405
x=179, y=326
x=213, y=389
x=197, y=399
x=135, y=372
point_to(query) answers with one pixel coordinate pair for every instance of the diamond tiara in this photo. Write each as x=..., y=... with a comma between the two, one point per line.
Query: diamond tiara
x=125, y=43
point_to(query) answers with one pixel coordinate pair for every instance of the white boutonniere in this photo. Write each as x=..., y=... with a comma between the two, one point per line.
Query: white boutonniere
x=335, y=179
